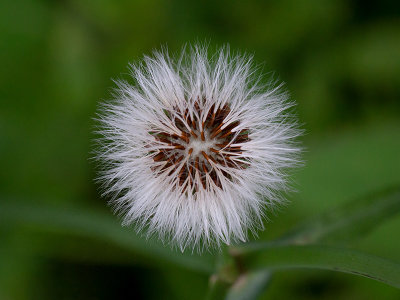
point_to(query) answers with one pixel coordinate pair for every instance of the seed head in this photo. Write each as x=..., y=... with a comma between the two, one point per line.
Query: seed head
x=195, y=149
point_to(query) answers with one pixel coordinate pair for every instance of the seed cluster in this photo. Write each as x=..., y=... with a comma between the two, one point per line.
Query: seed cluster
x=201, y=148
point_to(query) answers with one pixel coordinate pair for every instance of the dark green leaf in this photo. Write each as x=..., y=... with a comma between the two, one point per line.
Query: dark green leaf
x=82, y=222
x=321, y=257
x=352, y=220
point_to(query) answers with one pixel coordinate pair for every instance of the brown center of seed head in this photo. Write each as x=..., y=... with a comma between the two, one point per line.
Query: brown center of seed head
x=202, y=147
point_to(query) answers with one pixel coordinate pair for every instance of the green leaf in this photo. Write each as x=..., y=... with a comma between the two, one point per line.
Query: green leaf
x=281, y=257
x=352, y=220
x=82, y=222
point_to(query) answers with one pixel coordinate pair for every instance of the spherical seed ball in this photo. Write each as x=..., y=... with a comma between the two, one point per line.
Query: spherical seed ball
x=196, y=149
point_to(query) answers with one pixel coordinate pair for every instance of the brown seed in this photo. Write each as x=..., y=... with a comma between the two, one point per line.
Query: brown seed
x=178, y=160
x=159, y=157
x=241, y=138
x=216, y=130
x=203, y=181
x=179, y=124
x=163, y=140
x=197, y=106
x=190, y=126
x=193, y=133
x=225, y=134
x=181, y=175
x=205, y=168
x=227, y=175
x=205, y=155
x=185, y=136
x=222, y=145
x=222, y=113
x=190, y=174
x=213, y=160
x=212, y=120
x=215, y=133
x=162, y=135
x=232, y=125
x=166, y=166
x=197, y=164
x=233, y=148
x=215, y=178
x=210, y=116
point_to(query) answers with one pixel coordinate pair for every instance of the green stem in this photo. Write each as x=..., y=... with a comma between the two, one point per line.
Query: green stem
x=218, y=288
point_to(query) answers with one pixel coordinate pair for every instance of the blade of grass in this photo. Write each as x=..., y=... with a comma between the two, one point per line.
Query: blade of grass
x=83, y=222
x=352, y=220
x=280, y=257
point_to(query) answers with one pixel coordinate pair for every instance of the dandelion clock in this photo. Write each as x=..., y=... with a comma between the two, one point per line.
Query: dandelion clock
x=195, y=148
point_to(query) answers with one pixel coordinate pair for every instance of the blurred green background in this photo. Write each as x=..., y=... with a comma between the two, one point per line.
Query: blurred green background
x=340, y=61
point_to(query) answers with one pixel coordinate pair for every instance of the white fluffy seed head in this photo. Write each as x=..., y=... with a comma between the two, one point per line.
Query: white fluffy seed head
x=196, y=149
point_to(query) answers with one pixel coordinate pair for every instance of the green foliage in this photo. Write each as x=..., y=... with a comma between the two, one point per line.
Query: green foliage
x=82, y=223
x=326, y=257
x=301, y=249
x=340, y=61
x=295, y=250
x=347, y=222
